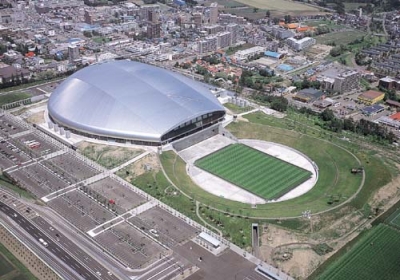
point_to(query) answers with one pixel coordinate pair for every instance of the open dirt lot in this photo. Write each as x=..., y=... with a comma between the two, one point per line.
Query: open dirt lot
x=36, y=118
x=106, y=155
x=140, y=167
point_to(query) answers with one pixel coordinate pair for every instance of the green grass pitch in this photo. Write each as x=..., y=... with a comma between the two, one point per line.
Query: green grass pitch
x=255, y=171
x=394, y=219
x=375, y=256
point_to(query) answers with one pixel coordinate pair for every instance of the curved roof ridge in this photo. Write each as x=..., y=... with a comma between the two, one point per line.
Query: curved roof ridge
x=129, y=100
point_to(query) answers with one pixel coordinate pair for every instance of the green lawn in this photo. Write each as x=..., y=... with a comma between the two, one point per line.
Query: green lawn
x=255, y=171
x=375, y=256
x=12, y=97
x=235, y=109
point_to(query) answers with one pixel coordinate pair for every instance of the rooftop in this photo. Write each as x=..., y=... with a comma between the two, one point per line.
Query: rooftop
x=371, y=94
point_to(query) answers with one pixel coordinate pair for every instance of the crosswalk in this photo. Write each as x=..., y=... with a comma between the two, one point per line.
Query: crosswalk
x=167, y=268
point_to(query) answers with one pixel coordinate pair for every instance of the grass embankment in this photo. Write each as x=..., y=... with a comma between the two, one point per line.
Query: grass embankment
x=13, y=97
x=334, y=174
x=235, y=109
x=11, y=268
x=7, y=184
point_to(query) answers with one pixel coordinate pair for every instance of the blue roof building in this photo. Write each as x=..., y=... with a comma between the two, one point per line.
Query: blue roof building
x=273, y=54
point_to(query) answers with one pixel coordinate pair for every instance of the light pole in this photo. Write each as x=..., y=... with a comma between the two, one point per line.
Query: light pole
x=307, y=214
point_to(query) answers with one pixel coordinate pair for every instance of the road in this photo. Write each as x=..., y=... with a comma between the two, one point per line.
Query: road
x=52, y=247
x=73, y=248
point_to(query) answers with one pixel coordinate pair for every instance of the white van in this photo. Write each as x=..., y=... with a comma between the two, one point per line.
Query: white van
x=44, y=243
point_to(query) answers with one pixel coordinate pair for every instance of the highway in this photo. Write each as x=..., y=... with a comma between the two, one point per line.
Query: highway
x=73, y=249
x=56, y=250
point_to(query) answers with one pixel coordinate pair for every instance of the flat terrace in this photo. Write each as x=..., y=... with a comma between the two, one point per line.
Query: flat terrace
x=125, y=198
x=170, y=230
x=39, y=180
x=9, y=126
x=71, y=166
x=130, y=246
x=34, y=145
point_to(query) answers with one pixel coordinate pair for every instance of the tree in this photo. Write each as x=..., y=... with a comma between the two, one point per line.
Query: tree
x=255, y=10
x=279, y=103
x=87, y=34
x=327, y=115
x=340, y=9
x=267, y=13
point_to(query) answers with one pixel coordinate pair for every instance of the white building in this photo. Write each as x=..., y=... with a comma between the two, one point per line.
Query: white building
x=301, y=44
x=245, y=54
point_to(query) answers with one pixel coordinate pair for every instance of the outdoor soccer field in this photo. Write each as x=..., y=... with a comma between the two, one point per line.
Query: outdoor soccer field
x=375, y=256
x=255, y=171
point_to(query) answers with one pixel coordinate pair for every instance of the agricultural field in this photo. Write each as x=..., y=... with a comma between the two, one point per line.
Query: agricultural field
x=375, y=256
x=255, y=171
x=281, y=5
x=340, y=38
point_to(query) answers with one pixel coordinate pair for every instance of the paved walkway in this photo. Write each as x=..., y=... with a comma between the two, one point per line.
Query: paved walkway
x=142, y=155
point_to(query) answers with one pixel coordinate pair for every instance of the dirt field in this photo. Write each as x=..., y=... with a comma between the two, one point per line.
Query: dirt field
x=36, y=118
x=139, y=167
x=106, y=155
x=281, y=5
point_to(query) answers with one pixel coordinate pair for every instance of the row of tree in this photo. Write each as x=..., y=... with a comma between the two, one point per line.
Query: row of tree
x=278, y=103
x=362, y=127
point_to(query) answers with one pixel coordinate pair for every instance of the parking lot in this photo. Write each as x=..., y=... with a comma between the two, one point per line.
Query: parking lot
x=9, y=126
x=130, y=246
x=73, y=214
x=36, y=146
x=10, y=155
x=124, y=197
x=38, y=179
x=72, y=167
x=165, y=227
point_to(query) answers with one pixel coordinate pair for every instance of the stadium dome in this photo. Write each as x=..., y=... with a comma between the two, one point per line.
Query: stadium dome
x=133, y=101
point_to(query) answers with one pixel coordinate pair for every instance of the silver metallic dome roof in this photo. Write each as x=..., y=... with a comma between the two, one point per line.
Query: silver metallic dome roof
x=129, y=100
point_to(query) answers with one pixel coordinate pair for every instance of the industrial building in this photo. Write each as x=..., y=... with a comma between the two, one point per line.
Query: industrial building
x=308, y=95
x=371, y=97
x=133, y=102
